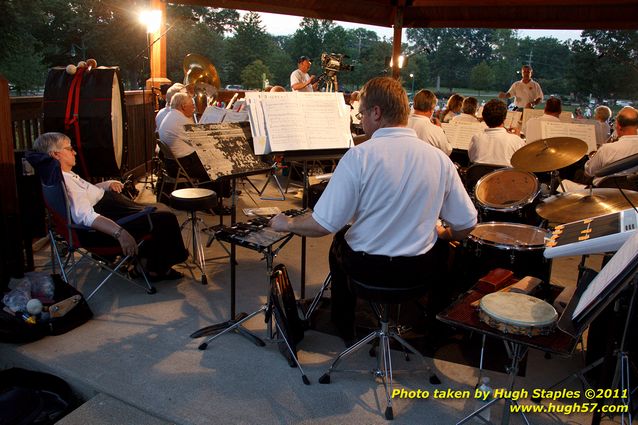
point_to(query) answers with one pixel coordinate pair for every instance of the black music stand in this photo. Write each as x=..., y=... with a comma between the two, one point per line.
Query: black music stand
x=619, y=274
x=304, y=157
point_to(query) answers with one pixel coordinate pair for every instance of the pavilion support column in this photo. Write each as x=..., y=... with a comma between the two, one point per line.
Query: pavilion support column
x=396, y=39
x=11, y=253
x=158, y=49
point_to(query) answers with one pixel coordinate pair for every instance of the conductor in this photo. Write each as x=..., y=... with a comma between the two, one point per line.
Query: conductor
x=527, y=93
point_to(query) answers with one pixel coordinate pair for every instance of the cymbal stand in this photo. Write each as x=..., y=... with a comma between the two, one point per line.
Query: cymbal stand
x=555, y=182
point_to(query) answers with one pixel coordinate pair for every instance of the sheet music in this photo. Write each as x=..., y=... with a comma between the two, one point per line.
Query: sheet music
x=298, y=121
x=531, y=113
x=234, y=116
x=460, y=134
x=513, y=119
x=223, y=148
x=212, y=115
x=584, y=132
x=619, y=262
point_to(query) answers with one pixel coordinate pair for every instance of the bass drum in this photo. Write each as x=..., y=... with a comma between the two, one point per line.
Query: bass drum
x=89, y=108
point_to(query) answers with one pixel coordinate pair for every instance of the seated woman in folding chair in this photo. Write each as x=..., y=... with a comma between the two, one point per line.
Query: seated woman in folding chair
x=96, y=206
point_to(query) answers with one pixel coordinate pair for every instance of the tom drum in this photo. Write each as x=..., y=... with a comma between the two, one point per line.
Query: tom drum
x=507, y=195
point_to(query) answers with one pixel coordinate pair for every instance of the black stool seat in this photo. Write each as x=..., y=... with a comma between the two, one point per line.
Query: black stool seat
x=193, y=199
x=386, y=294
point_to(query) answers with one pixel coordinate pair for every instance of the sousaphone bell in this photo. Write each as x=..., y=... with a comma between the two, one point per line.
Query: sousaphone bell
x=201, y=76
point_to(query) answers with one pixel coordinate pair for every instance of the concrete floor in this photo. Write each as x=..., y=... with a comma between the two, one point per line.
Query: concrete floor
x=135, y=363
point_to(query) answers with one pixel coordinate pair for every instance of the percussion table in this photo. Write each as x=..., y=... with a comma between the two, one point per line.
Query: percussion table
x=464, y=314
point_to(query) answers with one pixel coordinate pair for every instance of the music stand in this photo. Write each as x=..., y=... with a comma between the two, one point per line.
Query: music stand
x=619, y=274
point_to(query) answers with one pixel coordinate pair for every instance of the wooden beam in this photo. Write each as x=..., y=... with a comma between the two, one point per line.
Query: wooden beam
x=396, y=40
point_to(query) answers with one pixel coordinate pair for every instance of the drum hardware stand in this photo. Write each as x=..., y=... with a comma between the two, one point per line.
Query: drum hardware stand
x=622, y=372
x=516, y=352
x=315, y=302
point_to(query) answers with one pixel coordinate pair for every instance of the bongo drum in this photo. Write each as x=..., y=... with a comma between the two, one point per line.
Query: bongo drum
x=507, y=195
x=89, y=108
x=512, y=246
x=517, y=314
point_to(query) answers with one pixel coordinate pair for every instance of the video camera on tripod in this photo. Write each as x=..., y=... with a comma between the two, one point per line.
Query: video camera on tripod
x=331, y=64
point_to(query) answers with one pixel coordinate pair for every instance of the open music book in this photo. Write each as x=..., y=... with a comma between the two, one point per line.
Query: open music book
x=294, y=121
x=460, y=134
x=584, y=132
x=528, y=113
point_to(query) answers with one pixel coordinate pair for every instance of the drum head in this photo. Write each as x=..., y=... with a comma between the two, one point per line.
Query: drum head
x=506, y=189
x=518, y=309
x=509, y=235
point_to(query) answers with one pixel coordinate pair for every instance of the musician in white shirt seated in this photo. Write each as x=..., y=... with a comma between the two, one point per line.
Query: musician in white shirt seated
x=161, y=114
x=421, y=121
x=602, y=114
x=532, y=127
x=172, y=133
x=627, y=129
x=494, y=145
x=468, y=111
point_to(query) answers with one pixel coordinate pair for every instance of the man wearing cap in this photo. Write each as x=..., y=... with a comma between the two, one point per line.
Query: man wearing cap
x=299, y=79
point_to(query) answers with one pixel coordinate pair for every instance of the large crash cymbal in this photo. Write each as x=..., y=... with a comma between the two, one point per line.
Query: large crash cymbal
x=549, y=154
x=581, y=204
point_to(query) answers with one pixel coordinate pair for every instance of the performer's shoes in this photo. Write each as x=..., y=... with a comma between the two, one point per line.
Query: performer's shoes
x=171, y=274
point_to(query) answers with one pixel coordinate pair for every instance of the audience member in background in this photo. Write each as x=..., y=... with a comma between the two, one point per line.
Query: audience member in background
x=392, y=189
x=494, y=145
x=468, y=111
x=532, y=128
x=174, y=89
x=453, y=108
x=172, y=133
x=527, y=93
x=420, y=121
x=355, y=123
x=602, y=114
x=299, y=78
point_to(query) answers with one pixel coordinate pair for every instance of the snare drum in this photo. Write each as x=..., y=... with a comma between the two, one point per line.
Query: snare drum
x=516, y=247
x=518, y=314
x=507, y=195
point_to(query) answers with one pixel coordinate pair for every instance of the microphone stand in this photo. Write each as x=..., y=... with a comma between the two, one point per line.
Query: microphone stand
x=147, y=49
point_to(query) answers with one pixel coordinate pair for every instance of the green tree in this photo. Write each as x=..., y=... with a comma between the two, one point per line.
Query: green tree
x=249, y=43
x=481, y=77
x=252, y=76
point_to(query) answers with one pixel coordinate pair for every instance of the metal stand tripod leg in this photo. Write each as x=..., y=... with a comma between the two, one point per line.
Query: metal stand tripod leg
x=516, y=352
x=315, y=302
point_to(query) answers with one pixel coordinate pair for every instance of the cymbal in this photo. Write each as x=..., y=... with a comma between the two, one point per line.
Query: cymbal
x=581, y=204
x=549, y=154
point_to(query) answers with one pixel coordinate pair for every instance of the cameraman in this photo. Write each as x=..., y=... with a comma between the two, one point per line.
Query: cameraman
x=299, y=79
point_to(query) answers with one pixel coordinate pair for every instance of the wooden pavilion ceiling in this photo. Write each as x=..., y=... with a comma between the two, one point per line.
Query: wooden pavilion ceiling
x=515, y=14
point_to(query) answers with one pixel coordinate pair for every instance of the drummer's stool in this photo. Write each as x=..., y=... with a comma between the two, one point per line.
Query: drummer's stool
x=381, y=299
x=193, y=200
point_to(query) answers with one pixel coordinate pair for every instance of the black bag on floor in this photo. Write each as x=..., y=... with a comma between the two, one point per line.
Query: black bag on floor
x=283, y=305
x=14, y=328
x=28, y=397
